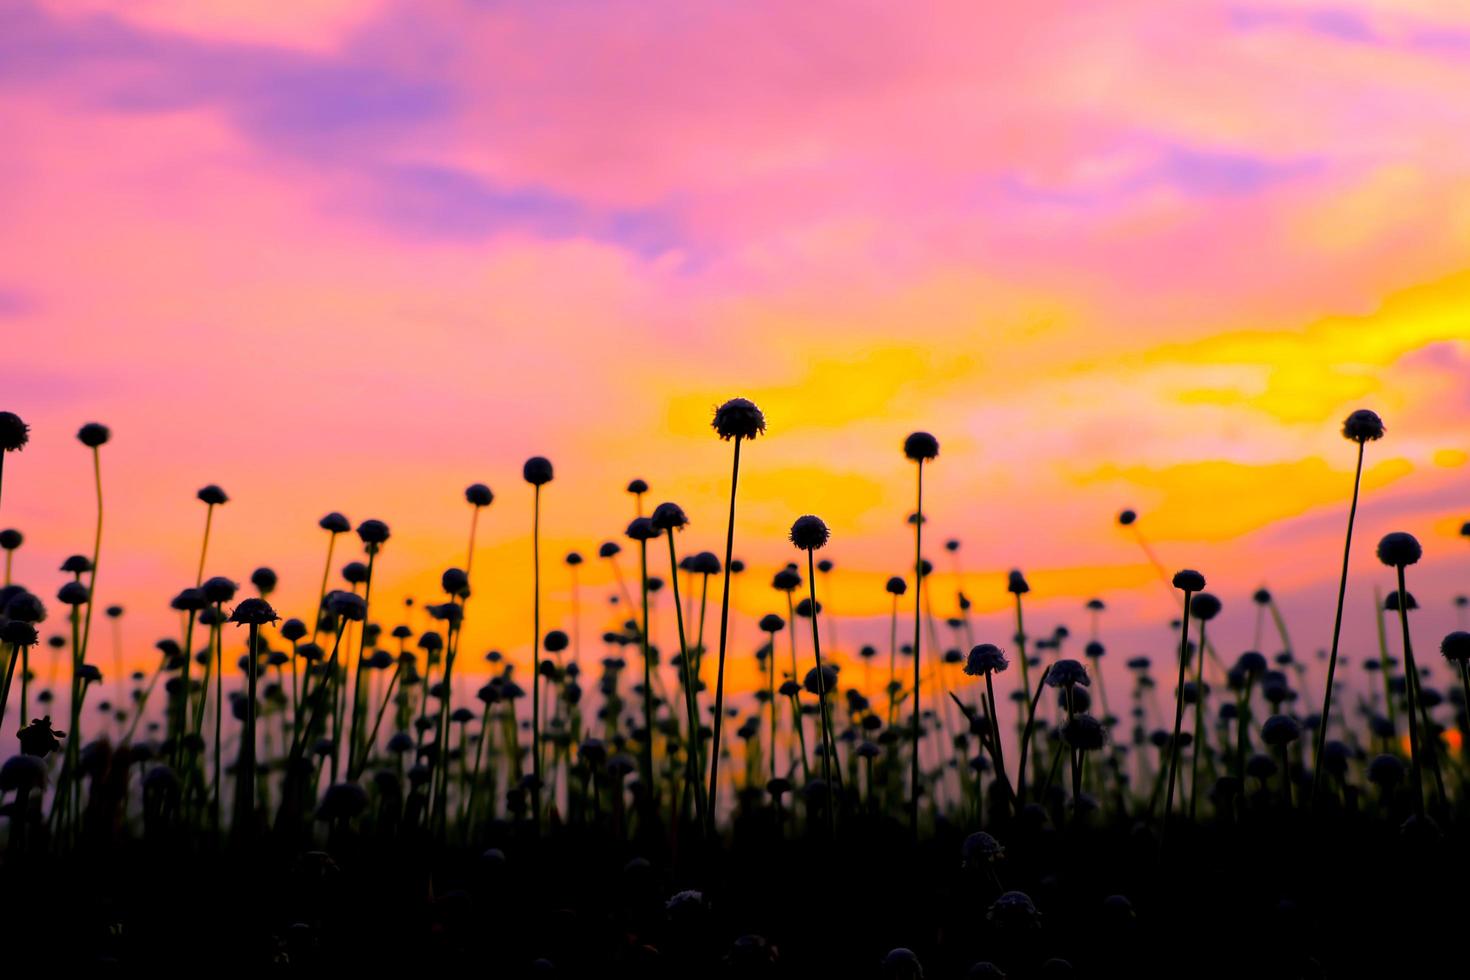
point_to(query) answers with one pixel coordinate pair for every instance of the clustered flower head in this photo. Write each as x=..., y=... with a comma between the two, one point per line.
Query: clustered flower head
x=1067, y=673
x=335, y=523
x=809, y=533
x=1456, y=647
x=372, y=532
x=478, y=494
x=738, y=418
x=641, y=529
x=921, y=446
x=253, y=612
x=14, y=433
x=1362, y=426
x=94, y=434
x=985, y=659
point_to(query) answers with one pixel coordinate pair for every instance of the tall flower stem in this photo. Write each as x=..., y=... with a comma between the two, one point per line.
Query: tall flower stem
x=204, y=549
x=1178, y=716
x=535, y=658
x=1199, y=723
x=1026, y=737
x=691, y=698
x=648, y=772
x=918, y=624
x=1347, y=546
x=829, y=745
x=316, y=624
x=96, y=553
x=719, y=717
x=245, y=789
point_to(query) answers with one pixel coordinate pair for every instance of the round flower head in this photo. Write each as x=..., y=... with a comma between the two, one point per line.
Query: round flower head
x=786, y=580
x=556, y=641
x=212, y=495
x=1386, y=771
x=573, y=558
x=1391, y=604
x=921, y=446
x=1014, y=910
x=1204, y=606
x=1188, y=580
x=608, y=549
x=902, y=964
x=454, y=581
x=771, y=623
x=669, y=517
x=981, y=849
x=335, y=523
x=218, y=589
x=809, y=533
x=39, y=739
x=637, y=487
x=264, y=579
x=10, y=539
x=896, y=586
x=14, y=433
x=189, y=599
x=642, y=529
x=1126, y=517
x=372, y=532
x=1280, y=730
x=1084, y=732
x=1398, y=549
x=22, y=773
x=706, y=563
x=77, y=565
x=1067, y=673
x=828, y=681
x=738, y=418
x=346, y=605
x=478, y=495
x=1362, y=426
x=293, y=630
x=1016, y=583
x=985, y=659
x=18, y=634
x=73, y=594
x=1456, y=647
x=253, y=612
x=94, y=434
x=537, y=471
x=1252, y=662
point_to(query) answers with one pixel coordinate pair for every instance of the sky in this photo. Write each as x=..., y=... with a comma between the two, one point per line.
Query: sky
x=354, y=256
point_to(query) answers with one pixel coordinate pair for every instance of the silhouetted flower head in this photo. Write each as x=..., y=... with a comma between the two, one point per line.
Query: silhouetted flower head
x=669, y=517
x=896, y=586
x=1252, y=663
x=454, y=581
x=39, y=739
x=77, y=565
x=1014, y=911
x=902, y=964
x=828, y=682
x=1084, y=732
x=10, y=539
x=985, y=659
x=1067, y=673
x=1392, y=601
x=253, y=612
x=1126, y=517
x=342, y=801
x=1016, y=583
x=642, y=529
x=335, y=523
x=789, y=689
x=771, y=623
x=786, y=580
x=20, y=604
x=1386, y=771
x=264, y=579
x=636, y=487
x=573, y=558
x=1456, y=647
x=556, y=641
x=706, y=563
x=738, y=418
x=190, y=599
x=346, y=605
x=73, y=594
x=1398, y=549
x=218, y=589
x=921, y=446
x=537, y=471
x=1188, y=580
x=1280, y=730
x=1204, y=606
x=94, y=434
x=19, y=634
x=212, y=495
x=372, y=532
x=1362, y=426
x=809, y=533
x=980, y=849
x=14, y=433
x=478, y=494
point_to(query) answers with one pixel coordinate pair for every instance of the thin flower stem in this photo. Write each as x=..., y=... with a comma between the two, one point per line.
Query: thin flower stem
x=535, y=659
x=918, y=650
x=691, y=699
x=829, y=747
x=1347, y=546
x=1178, y=718
x=719, y=716
x=1026, y=737
x=1410, y=692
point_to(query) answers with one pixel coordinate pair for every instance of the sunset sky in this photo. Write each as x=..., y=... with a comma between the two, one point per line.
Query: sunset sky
x=355, y=256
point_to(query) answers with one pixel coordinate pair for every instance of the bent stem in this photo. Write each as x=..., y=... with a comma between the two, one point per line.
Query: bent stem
x=691, y=699
x=829, y=748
